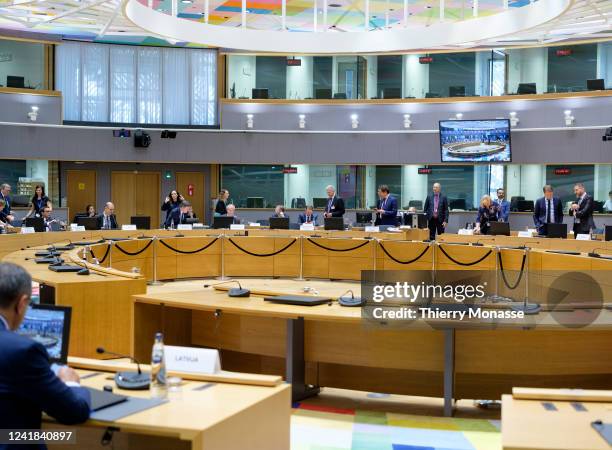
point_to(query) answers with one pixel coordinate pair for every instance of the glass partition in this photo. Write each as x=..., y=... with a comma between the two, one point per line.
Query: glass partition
x=22, y=64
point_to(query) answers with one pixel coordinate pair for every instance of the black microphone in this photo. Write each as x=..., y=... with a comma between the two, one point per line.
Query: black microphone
x=128, y=379
x=233, y=292
x=594, y=254
x=353, y=301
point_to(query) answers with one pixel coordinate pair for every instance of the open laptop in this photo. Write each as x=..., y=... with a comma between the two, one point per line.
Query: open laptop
x=90, y=223
x=499, y=229
x=279, y=223
x=38, y=223
x=50, y=326
x=555, y=230
x=334, y=223
x=222, y=222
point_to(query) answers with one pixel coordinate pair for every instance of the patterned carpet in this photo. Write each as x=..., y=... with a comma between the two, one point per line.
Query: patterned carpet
x=317, y=427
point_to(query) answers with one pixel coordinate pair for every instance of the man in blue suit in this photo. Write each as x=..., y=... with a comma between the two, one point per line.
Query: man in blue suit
x=28, y=386
x=548, y=209
x=386, y=207
x=308, y=216
x=503, y=206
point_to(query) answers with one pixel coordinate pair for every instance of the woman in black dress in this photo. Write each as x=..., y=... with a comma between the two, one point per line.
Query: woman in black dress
x=39, y=201
x=487, y=213
x=173, y=201
x=221, y=206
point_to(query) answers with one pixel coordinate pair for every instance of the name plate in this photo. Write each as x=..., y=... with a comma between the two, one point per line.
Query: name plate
x=583, y=237
x=237, y=226
x=307, y=227
x=192, y=359
x=27, y=230
x=254, y=224
x=184, y=226
x=405, y=227
x=372, y=229
x=525, y=234
x=128, y=227
x=465, y=232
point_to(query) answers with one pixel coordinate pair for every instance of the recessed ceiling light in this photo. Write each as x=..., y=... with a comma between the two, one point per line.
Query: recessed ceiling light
x=187, y=1
x=335, y=5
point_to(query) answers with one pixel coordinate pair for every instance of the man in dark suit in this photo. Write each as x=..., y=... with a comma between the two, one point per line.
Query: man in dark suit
x=436, y=209
x=335, y=205
x=28, y=386
x=181, y=214
x=5, y=192
x=386, y=207
x=548, y=209
x=582, y=210
x=308, y=216
x=107, y=220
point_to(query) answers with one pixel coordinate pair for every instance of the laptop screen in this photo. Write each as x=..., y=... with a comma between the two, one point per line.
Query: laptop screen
x=49, y=325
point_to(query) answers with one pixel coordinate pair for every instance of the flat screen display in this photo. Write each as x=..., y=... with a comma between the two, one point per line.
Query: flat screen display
x=50, y=326
x=475, y=141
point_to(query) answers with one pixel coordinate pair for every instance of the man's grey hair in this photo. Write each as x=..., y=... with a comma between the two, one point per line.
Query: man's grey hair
x=4, y=186
x=15, y=282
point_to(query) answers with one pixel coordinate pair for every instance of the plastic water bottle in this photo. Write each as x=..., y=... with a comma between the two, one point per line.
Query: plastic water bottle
x=159, y=389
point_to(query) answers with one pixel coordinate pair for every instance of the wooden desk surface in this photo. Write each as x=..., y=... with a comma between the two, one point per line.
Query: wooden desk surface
x=527, y=425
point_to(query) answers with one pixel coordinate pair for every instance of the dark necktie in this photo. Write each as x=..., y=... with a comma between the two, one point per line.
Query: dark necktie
x=329, y=204
x=548, y=212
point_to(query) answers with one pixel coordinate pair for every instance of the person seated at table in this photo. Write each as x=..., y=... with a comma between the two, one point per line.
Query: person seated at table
x=51, y=224
x=172, y=202
x=279, y=211
x=90, y=211
x=308, y=216
x=7, y=215
x=107, y=220
x=608, y=205
x=487, y=212
x=231, y=212
x=412, y=210
x=182, y=213
x=39, y=200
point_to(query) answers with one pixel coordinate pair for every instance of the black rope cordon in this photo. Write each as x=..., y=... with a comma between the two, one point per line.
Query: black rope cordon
x=100, y=261
x=404, y=262
x=134, y=253
x=188, y=252
x=262, y=255
x=337, y=249
x=462, y=263
x=501, y=269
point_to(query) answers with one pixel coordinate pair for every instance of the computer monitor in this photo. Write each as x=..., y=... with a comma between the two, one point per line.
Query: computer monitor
x=524, y=205
x=141, y=222
x=322, y=94
x=259, y=93
x=432, y=95
x=279, y=223
x=598, y=207
x=456, y=91
x=340, y=96
x=608, y=233
x=598, y=84
x=364, y=217
x=556, y=230
x=393, y=92
x=334, y=223
x=526, y=88
x=191, y=220
x=415, y=220
x=457, y=203
x=15, y=82
x=37, y=223
x=49, y=325
x=255, y=202
x=222, y=222
x=499, y=229
x=90, y=223
x=319, y=202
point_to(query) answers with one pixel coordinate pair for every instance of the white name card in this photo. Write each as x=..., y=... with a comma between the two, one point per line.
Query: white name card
x=307, y=227
x=254, y=224
x=525, y=234
x=184, y=226
x=583, y=237
x=192, y=359
x=128, y=227
x=372, y=229
x=405, y=227
x=237, y=226
x=465, y=232
x=27, y=230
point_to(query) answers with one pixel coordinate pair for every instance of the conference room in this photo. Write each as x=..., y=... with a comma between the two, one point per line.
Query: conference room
x=306, y=226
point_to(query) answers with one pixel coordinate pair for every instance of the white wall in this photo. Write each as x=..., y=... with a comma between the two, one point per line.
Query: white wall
x=372, y=65
x=300, y=79
x=482, y=73
x=415, y=77
x=320, y=177
x=241, y=70
x=604, y=62
x=414, y=186
x=38, y=169
x=525, y=180
x=22, y=59
x=528, y=65
x=296, y=184
x=370, y=186
x=603, y=181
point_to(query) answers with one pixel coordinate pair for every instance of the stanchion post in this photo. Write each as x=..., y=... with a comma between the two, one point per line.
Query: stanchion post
x=222, y=277
x=375, y=240
x=110, y=254
x=154, y=282
x=301, y=277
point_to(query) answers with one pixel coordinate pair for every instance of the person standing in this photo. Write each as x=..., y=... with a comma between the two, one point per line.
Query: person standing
x=386, y=208
x=38, y=202
x=548, y=209
x=487, y=213
x=436, y=210
x=503, y=206
x=221, y=205
x=5, y=192
x=172, y=202
x=335, y=205
x=582, y=210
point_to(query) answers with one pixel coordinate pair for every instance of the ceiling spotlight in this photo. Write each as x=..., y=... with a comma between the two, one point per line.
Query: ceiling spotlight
x=187, y=2
x=302, y=121
x=459, y=116
x=354, y=121
x=249, y=121
x=407, y=121
x=514, y=120
x=569, y=119
x=33, y=114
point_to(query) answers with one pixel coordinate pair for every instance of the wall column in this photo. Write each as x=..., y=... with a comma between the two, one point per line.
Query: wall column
x=38, y=169
x=297, y=184
x=370, y=186
x=602, y=182
x=414, y=186
x=415, y=76
x=528, y=65
x=300, y=79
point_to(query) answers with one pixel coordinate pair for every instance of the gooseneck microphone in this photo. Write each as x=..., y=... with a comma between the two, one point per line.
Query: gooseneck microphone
x=353, y=301
x=233, y=292
x=129, y=379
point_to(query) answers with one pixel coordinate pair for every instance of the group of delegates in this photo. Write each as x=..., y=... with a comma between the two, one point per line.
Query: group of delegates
x=178, y=210
x=40, y=206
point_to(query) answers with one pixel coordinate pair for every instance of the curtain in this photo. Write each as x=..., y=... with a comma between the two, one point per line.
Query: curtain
x=149, y=85
x=203, y=87
x=94, y=61
x=68, y=79
x=176, y=86
x=123, y=84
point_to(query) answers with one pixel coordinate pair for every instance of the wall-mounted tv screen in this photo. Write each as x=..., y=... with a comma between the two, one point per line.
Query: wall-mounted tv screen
x=475, y=140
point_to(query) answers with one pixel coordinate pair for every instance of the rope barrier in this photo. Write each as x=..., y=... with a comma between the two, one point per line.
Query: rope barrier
x=100, y=261
x=188, y=252
x=134, y=253
x=462, y=263
x=403, y=262
x=263, y=255
x=337, y=249
x=501, y=269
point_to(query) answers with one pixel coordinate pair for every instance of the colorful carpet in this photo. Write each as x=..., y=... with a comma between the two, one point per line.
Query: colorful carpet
x=314, y=427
